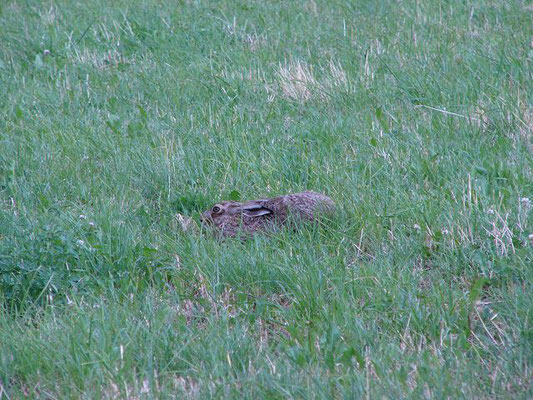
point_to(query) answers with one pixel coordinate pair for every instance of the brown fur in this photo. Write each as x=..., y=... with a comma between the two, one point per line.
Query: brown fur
x=231, y=217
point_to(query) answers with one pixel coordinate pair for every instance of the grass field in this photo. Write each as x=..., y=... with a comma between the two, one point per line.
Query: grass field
x=416, y=117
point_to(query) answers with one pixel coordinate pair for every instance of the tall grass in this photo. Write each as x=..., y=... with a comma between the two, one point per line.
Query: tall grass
x=416, y=117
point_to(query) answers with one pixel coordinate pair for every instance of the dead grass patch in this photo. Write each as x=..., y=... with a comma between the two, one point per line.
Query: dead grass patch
x=298, y=81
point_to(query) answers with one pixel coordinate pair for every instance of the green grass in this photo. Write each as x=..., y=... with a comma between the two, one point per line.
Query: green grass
x=416, y=117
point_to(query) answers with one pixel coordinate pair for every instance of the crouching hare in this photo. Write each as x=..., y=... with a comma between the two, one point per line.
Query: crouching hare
x=231, y=218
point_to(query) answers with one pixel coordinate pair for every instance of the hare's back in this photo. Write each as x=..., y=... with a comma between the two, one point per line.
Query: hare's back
x=310, y=197
x=309, y=203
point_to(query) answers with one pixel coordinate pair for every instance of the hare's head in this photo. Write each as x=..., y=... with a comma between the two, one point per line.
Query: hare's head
x=231, y=212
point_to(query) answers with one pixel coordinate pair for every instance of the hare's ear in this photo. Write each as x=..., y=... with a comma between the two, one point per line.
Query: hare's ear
x=256, y=210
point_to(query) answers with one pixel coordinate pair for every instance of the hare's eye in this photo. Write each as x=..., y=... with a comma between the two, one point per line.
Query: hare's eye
x=216, y=209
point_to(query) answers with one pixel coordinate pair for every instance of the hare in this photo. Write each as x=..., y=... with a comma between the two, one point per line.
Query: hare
x=231, y=218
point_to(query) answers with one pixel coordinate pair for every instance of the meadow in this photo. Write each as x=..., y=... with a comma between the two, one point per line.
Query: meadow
x=415, y=116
